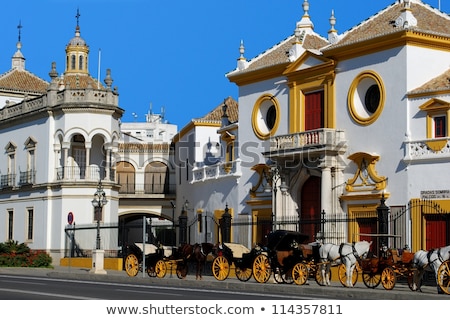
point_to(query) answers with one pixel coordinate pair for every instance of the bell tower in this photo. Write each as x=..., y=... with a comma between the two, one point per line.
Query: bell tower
x=77, y=52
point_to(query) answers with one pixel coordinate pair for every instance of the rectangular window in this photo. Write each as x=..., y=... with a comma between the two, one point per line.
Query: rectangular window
x=10, y=224
x=440, y=127
x=314, y=109
x=30, y=222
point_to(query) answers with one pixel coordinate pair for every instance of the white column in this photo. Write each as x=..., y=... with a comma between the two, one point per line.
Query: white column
x=326, y=190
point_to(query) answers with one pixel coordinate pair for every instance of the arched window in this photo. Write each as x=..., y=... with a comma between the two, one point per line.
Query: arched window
x=80, y=64
x=73, y=62
x=126, y=177
x=156, y=178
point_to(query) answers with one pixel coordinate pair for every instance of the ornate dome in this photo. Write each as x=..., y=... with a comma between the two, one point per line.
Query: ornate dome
x=77, y=40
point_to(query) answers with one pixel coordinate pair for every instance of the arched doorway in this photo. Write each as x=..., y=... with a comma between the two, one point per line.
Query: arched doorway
x=310, y=207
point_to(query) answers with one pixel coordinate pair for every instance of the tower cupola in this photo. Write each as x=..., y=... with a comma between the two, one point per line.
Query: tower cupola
x=77, y=52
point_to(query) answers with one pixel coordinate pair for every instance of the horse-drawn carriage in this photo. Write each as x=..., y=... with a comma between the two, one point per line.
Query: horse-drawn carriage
x=286, y=256
x=387, y=267
x=237, y=255
x=159, y=258
x=155, y=256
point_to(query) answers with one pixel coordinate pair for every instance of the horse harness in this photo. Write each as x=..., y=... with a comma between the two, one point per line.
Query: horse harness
x=354, y=252
x=439, y=256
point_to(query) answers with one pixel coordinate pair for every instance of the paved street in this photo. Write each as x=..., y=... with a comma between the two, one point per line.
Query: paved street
x=312, y=290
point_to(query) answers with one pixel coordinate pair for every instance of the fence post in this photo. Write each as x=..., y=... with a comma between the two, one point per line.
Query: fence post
x=182, y=220
x=226, y=225
x=383, y=212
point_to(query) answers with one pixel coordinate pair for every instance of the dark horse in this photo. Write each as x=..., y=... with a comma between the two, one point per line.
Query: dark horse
x=196, y=253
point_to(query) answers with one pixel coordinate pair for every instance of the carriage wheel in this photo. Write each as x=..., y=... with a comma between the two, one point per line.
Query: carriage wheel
x=287, y=277
x=160, y=269
x=182, y=270
x=131, y=265
x=342, y=272
x=261, y=268
x=278, y=276
x=370, y=279
x=388, y=278
x=318, y=275
x=151, y=271
x=300, y=273
x=243, y=274
x=444, y=276
x=220, y=268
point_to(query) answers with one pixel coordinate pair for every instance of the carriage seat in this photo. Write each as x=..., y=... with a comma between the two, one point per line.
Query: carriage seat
x=238, y=249
x=168, y=251
x=307, y=250
x=396, y=255
x=149, y=248
x=281, y=255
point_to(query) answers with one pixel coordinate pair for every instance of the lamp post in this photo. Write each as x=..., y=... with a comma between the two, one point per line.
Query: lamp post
x=173, y=221
x=98, y=203
x=273, y=178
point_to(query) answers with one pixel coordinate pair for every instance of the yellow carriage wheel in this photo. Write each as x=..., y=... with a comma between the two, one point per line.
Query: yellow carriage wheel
x=388, y=278
x=131, y=265
x=261, y=268
x=300, y=273
x=318, y=274
x=160, y=269
x=342, y=273
x=371, y=279
x=444, y=276
x=243, y=274
x=220, y=268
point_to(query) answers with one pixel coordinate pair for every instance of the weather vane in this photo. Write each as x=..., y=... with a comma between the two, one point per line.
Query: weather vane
x=78, y=16
x=19, y=27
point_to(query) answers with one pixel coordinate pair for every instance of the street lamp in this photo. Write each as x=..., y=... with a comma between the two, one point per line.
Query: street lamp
x=98, y=203
x=98, y=255
x=173, y=221
x=273, y=177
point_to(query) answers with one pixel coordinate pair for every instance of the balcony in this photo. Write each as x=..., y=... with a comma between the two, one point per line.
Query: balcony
x=80, y=173
x=27, y=177
x=427, y=150
x=7, y=180
x=219, y=170
x=318, y=141
x=146, y=188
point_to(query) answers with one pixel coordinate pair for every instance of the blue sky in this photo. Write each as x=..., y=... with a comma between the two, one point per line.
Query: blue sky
x=171, y=54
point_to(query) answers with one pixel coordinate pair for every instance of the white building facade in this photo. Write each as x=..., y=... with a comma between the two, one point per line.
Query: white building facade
x=350, y=121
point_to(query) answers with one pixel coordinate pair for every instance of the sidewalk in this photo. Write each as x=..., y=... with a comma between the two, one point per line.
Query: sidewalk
x=335, y=291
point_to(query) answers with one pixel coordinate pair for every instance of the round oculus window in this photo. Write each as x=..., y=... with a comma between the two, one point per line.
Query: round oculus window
x=265, y=116
x=366, y=98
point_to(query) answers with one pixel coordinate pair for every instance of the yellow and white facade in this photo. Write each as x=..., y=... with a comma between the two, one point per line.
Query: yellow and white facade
x=350, y=119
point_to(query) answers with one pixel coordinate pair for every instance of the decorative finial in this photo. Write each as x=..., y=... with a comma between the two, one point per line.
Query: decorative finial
x=108, y=80
x=242, y=50
x=242, y=62
x=306, y=7
x=332, y=20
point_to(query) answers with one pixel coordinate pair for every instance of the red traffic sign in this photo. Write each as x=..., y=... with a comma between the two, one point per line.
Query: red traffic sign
x=70, y=218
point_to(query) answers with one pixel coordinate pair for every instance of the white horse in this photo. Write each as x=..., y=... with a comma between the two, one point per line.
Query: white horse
x=428, y=261
x=345, y=253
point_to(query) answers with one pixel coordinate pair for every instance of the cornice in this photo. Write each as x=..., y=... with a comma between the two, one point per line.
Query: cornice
x=244, y=78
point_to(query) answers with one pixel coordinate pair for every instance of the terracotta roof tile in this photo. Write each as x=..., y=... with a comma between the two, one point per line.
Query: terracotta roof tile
x=216, y=114
x=429, y=20
x=278, y=53
x=81, y=81
x=441, y=82
x=22, y=81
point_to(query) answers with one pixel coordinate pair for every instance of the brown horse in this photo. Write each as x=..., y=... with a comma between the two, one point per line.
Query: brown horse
x=196, y=253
